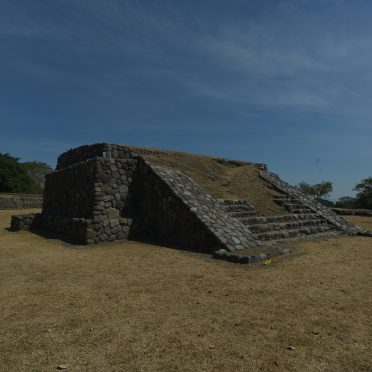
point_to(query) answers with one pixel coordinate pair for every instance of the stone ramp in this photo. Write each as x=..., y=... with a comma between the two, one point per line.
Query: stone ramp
x=295, y=200
x=170, y=207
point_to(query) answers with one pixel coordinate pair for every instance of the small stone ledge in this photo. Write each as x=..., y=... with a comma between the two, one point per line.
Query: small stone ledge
x=223, y=254
x=26, y=221
x=353, y=212
x=77, y=230
x=88, y=231
x=367, y=233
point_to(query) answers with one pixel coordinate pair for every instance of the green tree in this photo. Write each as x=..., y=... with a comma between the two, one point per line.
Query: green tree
x=319, y=190
x=364, y=193
x=13, y=176
x=37, y=172
x=346, y=202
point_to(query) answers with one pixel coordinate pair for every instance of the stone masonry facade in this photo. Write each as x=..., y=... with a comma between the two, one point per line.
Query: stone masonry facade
x=107, y=192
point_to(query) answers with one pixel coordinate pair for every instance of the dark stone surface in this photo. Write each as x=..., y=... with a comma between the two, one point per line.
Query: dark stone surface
x=26, y=222
x=70, y=192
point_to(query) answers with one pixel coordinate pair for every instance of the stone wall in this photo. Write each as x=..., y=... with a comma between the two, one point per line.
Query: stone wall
x=26, y=222
x=309, y=202
x=113, y=179
x=353, y=212
x=86, y=201
x=21, y=202
x=101, y=150
x=87, y=231
x=80, y=154
x=70, y=192
x=170, y=208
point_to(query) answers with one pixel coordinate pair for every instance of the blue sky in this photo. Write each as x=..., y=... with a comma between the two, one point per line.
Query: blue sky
x=288, y=83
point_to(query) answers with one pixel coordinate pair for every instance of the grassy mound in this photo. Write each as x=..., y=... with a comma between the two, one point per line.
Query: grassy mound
x=224, y=181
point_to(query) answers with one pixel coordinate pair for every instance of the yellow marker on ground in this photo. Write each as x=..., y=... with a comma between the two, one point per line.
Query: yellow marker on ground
x=269, y=261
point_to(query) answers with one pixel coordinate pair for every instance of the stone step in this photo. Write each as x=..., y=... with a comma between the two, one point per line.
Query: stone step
x=237, y=208
x=289, y=202
x=234, y=202
x=281, y=197
x=246, y=214
x=279, y=218
x=284, y=198
x=288, y=225
x=291, y=233
x=292, y=205
x=301, y=210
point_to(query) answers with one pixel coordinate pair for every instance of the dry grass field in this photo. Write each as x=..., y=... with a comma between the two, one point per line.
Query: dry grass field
x=138, y=307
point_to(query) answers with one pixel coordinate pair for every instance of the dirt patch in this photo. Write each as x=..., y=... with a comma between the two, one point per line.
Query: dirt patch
x=139, y=307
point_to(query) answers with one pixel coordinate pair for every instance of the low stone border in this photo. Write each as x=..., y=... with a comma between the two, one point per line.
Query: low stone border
x=26, y=221
x=353, y=212
x=367, y=233
x=21, y=202
x=223, y=254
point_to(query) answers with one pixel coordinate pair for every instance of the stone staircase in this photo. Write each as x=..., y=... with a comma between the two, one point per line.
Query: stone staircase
x=301, y=221
x=240, y=209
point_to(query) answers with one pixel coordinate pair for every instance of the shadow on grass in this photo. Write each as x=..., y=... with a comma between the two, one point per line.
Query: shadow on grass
x=52, y=235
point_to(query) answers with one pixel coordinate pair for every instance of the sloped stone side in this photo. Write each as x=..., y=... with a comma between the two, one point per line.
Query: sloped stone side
x=315, y=206
x=171, y=208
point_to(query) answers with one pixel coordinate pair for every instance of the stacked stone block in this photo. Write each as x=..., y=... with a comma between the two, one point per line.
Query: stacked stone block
x=84, y=202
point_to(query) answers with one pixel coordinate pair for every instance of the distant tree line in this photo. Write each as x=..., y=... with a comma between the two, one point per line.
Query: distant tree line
x=321, y=192
x=17, y=177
